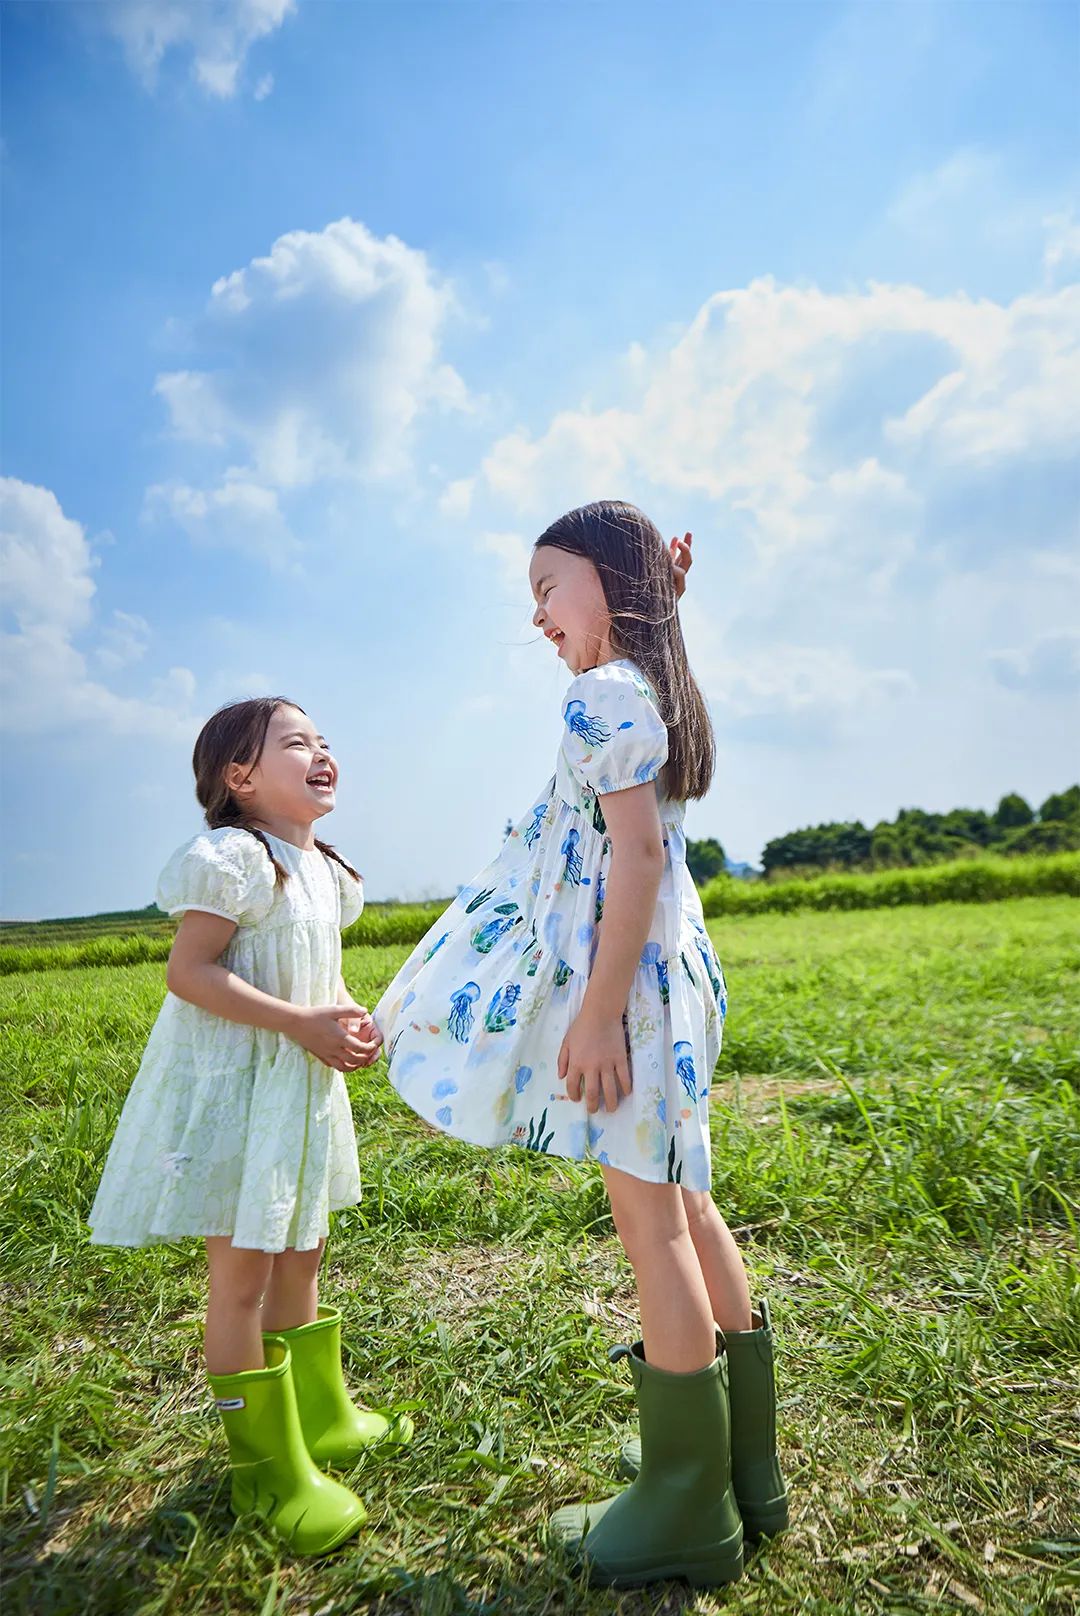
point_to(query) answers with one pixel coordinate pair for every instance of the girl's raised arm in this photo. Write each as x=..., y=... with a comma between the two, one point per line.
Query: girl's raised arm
x=194, y=973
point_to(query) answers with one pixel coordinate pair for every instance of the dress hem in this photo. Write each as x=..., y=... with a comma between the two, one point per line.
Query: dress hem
x=162, y=1237
x=552, y=1155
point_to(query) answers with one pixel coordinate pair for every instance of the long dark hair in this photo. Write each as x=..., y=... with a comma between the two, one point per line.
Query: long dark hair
x=638, y=581
x=237, y=734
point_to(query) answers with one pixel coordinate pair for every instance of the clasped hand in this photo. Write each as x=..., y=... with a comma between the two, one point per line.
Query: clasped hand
x=340, y=1035
x=594, y=1061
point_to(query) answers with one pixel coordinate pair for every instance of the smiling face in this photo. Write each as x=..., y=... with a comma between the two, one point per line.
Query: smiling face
x=570, y=607
x=294, y=781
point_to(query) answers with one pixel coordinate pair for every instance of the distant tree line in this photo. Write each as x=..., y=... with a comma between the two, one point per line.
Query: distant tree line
x=916, y=837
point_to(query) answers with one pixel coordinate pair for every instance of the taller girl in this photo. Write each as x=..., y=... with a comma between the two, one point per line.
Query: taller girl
x=570, y=1001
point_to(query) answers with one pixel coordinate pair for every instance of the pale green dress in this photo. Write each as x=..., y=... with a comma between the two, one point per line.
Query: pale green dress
x=228, y=1129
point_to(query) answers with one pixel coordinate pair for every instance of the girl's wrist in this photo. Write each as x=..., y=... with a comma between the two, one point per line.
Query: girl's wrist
x=599, y=1007
x=292, y=1020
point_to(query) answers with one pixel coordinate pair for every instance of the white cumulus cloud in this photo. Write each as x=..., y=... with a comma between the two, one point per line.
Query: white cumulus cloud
x=45, y=684
x=325, y=353
x=217, y=34
x=238, y=514
x=787, y=404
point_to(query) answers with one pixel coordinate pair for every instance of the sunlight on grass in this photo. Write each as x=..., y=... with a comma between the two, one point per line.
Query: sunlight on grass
x=896, y=1139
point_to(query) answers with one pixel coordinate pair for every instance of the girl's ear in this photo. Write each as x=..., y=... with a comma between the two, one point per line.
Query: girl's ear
x=238, y=780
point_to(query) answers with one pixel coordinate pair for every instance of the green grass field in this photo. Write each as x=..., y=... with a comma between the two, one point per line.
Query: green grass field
x=897, y=1139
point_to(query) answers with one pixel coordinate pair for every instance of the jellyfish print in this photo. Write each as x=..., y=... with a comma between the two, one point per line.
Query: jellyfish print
x=593, y=731
x=648, y=771
x=485, y=937
x=522, y=1078
x=532, y=834
x=684, y=1067
x=500, y=1012
x=460, y=1020
x=569, y=850
x=600, y=893
x=707, y=958
x=650, y=956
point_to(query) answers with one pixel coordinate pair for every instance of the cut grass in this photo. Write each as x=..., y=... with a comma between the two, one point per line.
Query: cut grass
x=896, y=1139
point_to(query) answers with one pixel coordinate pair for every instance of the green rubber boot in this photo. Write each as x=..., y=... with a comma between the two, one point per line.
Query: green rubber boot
x=335, y=1430
x=678, y=1518
x=272, y=1472
x=755, y=1468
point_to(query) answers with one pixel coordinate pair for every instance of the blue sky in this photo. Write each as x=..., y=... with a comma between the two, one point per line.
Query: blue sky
x=316, y=314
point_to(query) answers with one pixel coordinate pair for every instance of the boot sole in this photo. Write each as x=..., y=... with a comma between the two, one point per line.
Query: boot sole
x=290, y=1538
x=333, y=1543
x=712, y=1568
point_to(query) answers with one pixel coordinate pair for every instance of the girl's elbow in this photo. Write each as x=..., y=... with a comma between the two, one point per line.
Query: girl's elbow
x=176, y=977
x=643, y=852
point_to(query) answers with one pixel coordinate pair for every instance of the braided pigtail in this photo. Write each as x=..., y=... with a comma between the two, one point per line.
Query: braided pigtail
x=331, y=853
x=281, y=874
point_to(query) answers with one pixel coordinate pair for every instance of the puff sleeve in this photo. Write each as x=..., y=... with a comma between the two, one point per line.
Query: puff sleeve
x=351, y=894
x=614, y=736
x=222, y=872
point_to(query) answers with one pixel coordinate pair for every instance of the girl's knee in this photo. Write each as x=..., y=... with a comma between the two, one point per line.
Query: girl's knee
x=299, y=1265
x=699, y=1208
x=648, y=1218
x=249, y=1292
x=241, y=1283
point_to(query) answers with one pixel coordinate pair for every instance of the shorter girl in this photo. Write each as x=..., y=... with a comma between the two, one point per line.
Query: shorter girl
x=238, y=1128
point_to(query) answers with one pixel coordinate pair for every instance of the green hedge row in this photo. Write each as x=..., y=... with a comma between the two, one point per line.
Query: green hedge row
x=980, y=880
x=377, y=928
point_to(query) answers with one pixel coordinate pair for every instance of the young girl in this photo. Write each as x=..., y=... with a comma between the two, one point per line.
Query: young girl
x=237, y=1127
x=570, y=1001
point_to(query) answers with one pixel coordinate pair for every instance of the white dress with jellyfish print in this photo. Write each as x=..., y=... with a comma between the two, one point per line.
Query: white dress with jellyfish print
x=475, y=1018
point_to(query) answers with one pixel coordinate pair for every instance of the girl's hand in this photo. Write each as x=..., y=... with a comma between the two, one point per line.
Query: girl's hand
x=357, y=1020
x=593, y=1060
x=682, y=561
x=322, y=1031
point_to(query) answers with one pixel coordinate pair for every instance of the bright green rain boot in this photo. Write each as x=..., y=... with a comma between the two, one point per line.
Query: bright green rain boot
x=755, y=1468
x=272, y=1472
x=335, y=1430
x=678, y=1519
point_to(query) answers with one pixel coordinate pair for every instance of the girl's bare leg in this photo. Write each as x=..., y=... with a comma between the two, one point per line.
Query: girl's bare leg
x=720, y=1261
x=676, y=1314
x=238, y=1281
x=292, y=1296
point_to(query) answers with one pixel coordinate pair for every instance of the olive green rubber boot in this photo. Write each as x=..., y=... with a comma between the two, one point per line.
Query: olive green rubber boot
x=273, y=1474
x=335, y=1430
x=678, y=1519
x=755, y=1468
